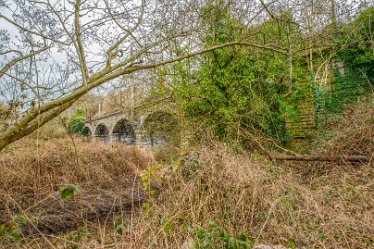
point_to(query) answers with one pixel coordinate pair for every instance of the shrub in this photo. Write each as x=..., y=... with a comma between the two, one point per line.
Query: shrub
x=76, y=124
x=216, y=236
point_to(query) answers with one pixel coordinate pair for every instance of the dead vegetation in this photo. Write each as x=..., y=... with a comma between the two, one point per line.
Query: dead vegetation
x=270, y=202
x=297, y=205
x=105, y=180
x=350, y=136
x=353, y=133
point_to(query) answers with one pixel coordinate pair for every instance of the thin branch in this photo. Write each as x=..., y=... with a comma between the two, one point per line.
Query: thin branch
x=10, y=64
x=82, y=58
x=32, y=32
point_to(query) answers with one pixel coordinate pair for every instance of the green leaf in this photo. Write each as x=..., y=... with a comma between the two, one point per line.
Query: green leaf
x=57, y=162
x=69, y=191
x=120, y=229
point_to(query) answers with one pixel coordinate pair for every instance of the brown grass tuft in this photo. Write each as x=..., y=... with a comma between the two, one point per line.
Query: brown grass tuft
x=107, y=175
x=269, y=202
x=298, y=205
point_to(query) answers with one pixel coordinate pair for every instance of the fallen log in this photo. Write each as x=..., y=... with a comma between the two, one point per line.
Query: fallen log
x=65, y=222
x=58, y=215
x=319, y=158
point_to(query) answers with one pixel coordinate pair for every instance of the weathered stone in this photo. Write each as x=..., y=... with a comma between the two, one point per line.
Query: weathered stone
x=120, y=127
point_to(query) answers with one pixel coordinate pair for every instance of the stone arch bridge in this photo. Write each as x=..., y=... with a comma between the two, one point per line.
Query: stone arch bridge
x=128, y=128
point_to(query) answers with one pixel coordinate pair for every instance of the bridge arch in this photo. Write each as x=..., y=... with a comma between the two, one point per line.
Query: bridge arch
x=123, y=132
x=160, y=128
x=86, y=131
x=102, y=133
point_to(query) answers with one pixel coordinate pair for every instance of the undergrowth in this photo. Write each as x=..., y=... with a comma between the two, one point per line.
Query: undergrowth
x=211, y=198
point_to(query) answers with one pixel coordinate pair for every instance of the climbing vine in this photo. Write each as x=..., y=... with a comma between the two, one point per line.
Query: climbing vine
x=76, y=124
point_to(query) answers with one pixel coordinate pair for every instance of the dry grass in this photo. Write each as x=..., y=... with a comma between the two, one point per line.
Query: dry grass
x=302, y=205
x=354, y=134
x=269, y=202
x=351, y=134
x=31, y=176
x=298, y=205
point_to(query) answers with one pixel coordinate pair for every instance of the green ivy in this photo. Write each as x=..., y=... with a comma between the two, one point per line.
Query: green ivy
x=76, y=124
x=239, y=88
x=355, y=77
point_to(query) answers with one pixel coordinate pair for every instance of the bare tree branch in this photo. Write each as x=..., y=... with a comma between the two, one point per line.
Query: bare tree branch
x=10, y=64
x=82, y=57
